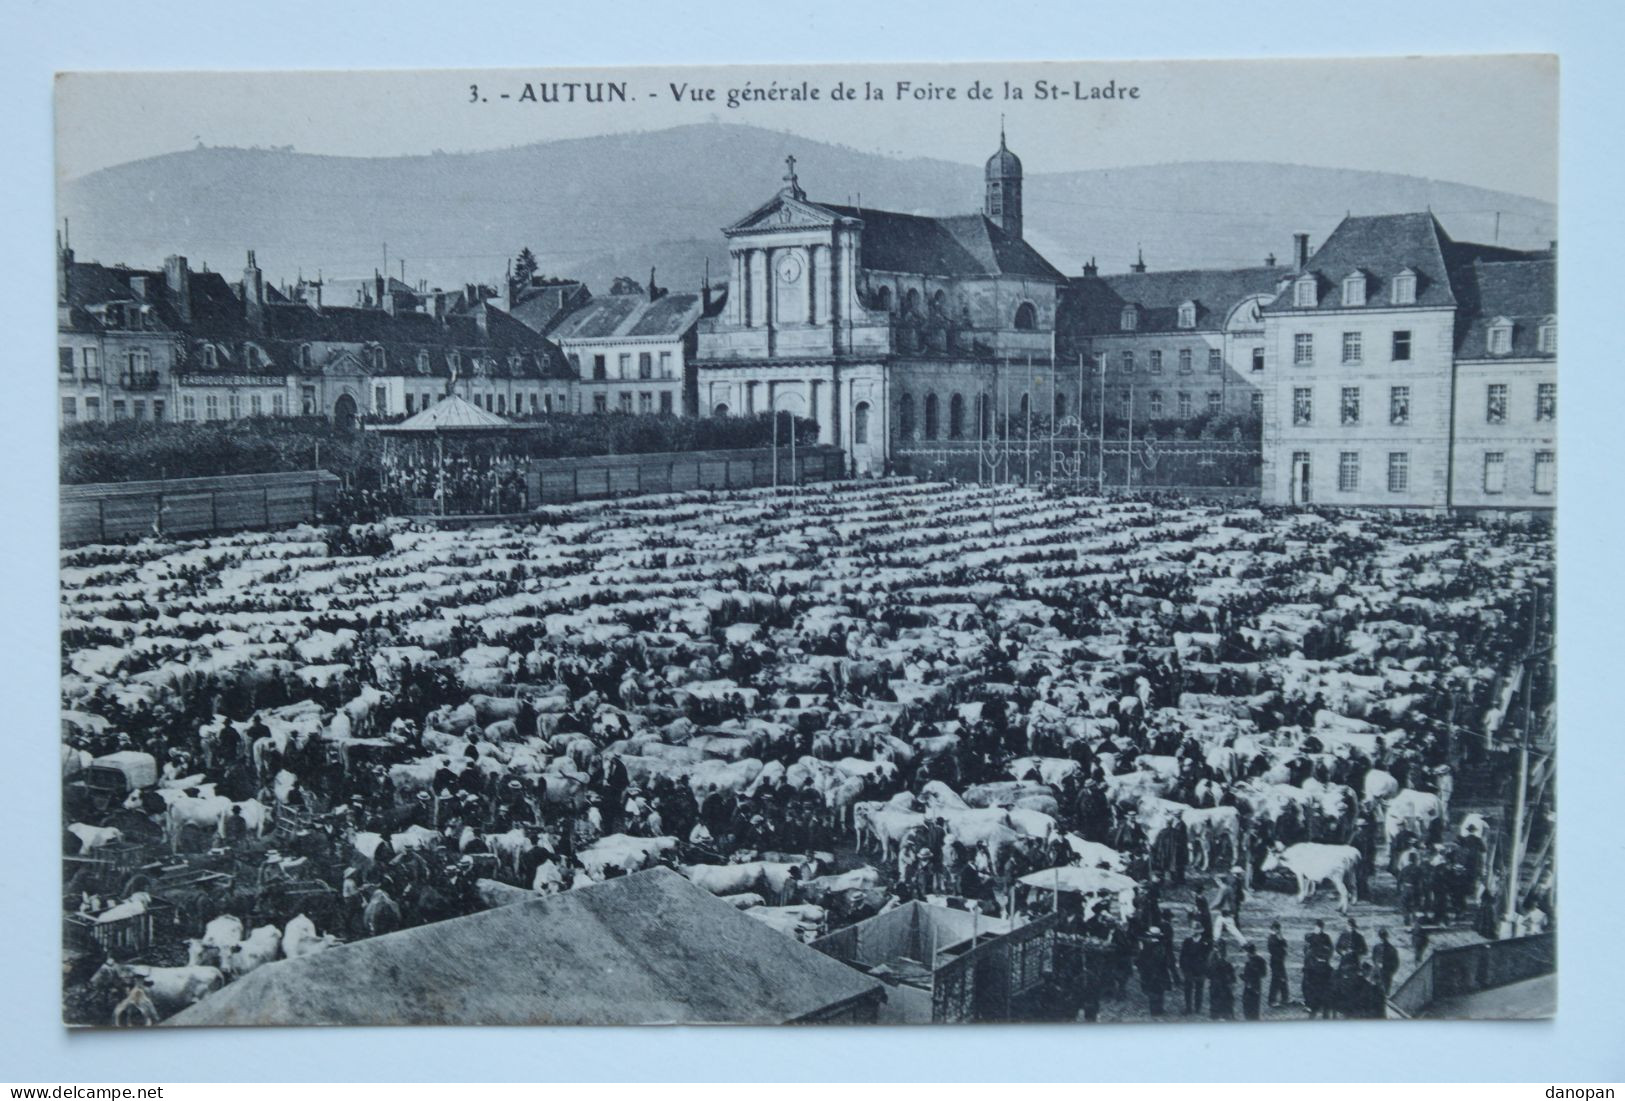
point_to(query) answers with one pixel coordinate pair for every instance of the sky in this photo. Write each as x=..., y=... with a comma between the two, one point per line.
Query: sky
x=1489, y=121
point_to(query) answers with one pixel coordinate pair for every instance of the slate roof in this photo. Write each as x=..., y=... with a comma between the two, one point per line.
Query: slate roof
x=1522, y=291
x=630, y=315
x=1382, y=246
x=958, y=245
x=1093, y=305
x=643, y=949
x=219, y=317
x=540, y=305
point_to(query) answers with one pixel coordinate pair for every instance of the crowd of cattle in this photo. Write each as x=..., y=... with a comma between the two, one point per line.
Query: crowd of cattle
x=813, y=704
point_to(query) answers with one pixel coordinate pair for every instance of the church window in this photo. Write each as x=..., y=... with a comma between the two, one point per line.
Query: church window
x=931, y=417
x=905, y=416
x=939, y=304
x=883, y=299
x=911, y=303
x=1026, y=317
x=956, y=417
x=860, y=423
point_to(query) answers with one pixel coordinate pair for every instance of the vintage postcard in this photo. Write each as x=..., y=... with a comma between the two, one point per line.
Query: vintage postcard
x=870, y=544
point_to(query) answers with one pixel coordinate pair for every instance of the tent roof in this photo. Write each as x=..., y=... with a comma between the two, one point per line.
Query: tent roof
x=449, y=414
x=1085, y=881
x=649, y=948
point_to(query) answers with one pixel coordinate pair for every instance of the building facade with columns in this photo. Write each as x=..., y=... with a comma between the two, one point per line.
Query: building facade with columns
x=888, y=329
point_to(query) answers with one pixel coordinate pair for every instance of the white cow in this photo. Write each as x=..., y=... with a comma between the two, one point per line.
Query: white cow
x=885, y=824
x=299, y=938
x=1413, y=810
x=1314, y=864
x=170, y=988
x=259, y=948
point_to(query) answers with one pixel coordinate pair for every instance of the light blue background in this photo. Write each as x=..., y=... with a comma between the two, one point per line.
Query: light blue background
x=1586, y=1041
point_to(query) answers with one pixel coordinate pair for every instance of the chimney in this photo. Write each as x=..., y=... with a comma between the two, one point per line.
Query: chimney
x=705, y=289
x=254, y=293
x=1090, y=270
x=318, y=285
x=1138, y=267
x=1269, y=261
x=437, y=304
x=64, y=264
x=471, y=295
x=377, y=288
x=654, y=291
x=1300, y=249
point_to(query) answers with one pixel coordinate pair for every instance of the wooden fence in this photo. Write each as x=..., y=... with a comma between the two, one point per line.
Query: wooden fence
x=104, y=512
x=559, y=481
x=1469, y=968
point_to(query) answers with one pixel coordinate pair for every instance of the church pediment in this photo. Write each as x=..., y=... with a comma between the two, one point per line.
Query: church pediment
x=784, y=213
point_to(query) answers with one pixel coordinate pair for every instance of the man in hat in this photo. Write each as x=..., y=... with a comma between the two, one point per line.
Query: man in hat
x=1252, y=982
x=1280, y=992
x=1193, y=959
x=1351, y=941
x=421, y=812
x=1152, y=964
x=1385, y=959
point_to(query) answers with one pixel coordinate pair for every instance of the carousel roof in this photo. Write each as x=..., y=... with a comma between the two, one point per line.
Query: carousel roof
x=449, y=414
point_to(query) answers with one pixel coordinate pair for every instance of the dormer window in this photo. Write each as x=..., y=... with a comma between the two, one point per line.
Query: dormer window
x=304, y=356
x=423, y=362
x=1354, y=289
x=1130, y=319
x=1500, y=337
x=1305, y=295
x=1546, y=339
x=378, y=360
x=1404, y=289
x=211, y=358
x=1187, y=315
x=456, y=361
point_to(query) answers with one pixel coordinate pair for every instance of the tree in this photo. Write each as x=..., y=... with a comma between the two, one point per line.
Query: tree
x=524, y=266
x=625, y=284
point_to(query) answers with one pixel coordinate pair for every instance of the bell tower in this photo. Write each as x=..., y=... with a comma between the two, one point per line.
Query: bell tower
x=1003, y=202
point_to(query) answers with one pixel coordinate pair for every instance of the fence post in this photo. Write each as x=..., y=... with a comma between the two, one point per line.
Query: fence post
x=267, y=506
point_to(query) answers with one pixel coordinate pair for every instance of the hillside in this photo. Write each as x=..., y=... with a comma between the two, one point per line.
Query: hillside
x=597, y=207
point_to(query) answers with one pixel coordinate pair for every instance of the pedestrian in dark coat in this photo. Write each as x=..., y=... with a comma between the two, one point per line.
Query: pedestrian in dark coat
x=1280, y=991
x=1385, y=958
x=1221, y=977
x=1193, y=956
x=1252, y=982
x=1153, y=967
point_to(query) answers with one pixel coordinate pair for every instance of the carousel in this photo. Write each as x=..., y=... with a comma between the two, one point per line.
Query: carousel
x=455, y=458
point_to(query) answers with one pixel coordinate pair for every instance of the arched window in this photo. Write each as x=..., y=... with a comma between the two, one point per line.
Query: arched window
x=1060, y=405
x=905, y=416
x=939, y=304
x=984, y=416
x=883, y=299
x=211, y=358
x=423, y=362
x=956, y=417
x=911, y=303
x=721, y=410
x=1025, y=406
x=860, y=423
x=1026, y=317
x=931, y=417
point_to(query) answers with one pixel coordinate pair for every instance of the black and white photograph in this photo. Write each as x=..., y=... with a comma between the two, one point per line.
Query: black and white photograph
x=878, y=544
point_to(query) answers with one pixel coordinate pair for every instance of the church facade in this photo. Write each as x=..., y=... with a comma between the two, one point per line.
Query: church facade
x=886, y=328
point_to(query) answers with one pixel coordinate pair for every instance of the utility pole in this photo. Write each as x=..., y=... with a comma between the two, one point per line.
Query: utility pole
x=1027, y=474
x=1100, y=365
x=1520, y=805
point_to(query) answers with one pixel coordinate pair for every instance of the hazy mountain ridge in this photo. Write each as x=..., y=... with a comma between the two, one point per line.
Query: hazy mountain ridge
x=596, y=207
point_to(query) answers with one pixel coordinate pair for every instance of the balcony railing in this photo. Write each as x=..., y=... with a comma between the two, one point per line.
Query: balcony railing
x=139, y=380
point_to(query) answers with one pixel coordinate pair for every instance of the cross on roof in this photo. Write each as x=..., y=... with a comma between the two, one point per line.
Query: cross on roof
x=790, y=163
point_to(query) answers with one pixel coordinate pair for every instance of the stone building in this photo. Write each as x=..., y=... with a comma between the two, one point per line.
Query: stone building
x=1371, y=347
x=634, y=353
x=178, y=344
x=886, y=328
x=1174, y=345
